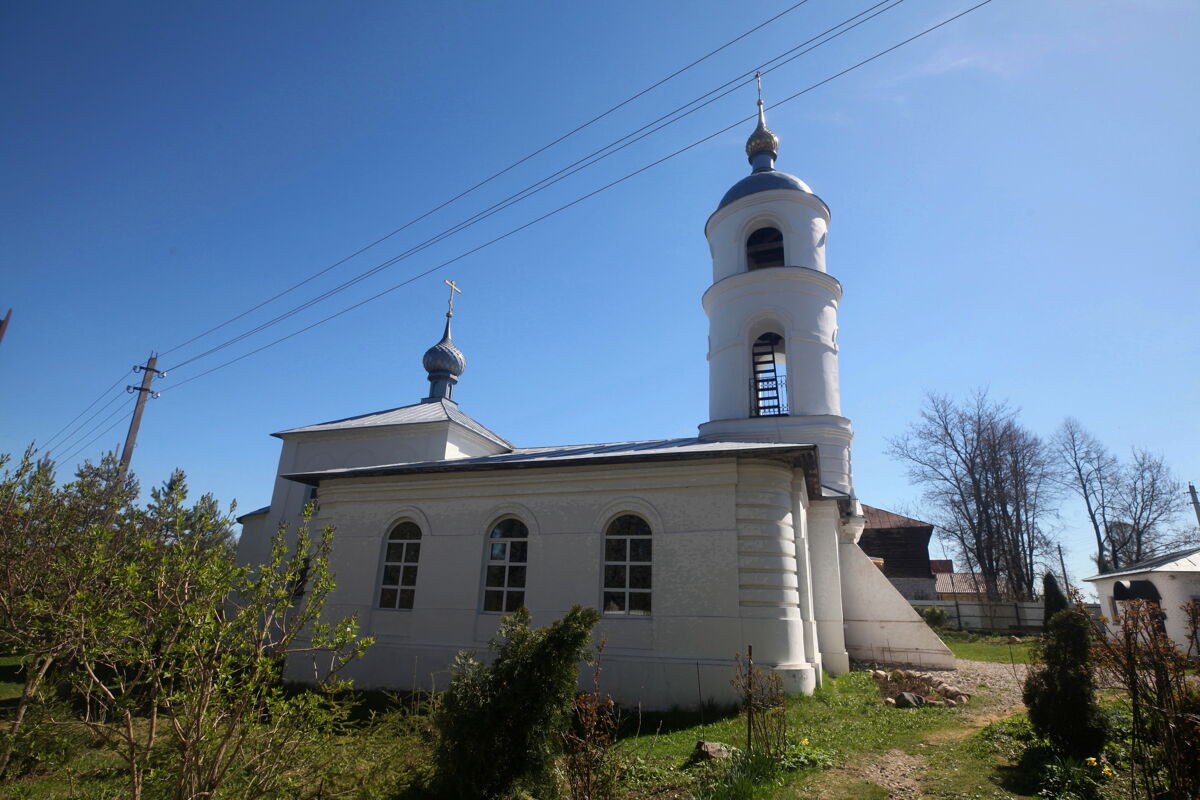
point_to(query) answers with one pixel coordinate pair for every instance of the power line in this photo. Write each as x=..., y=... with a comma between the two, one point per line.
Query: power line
x=46, y=446
x=571, y=169
x=586, y=196
x=74, y=436
x=495, y=175
x=119, y=420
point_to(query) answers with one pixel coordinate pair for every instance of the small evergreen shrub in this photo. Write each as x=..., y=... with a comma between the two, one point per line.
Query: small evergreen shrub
x=1060, y=692
x=501, y=724
x=1053, y=599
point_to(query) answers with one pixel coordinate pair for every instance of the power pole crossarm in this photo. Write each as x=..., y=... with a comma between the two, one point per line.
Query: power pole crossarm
x=148, y=374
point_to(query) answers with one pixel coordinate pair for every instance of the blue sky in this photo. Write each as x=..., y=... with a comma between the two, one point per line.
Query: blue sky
x=1013, y=200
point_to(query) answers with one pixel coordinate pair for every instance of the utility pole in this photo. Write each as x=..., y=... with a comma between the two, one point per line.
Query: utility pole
x=1063, y=565
x=148, y=373
x=1195, y=502
x=4, y=324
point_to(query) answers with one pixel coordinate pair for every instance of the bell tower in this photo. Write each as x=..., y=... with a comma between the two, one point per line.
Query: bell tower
x=772, y=316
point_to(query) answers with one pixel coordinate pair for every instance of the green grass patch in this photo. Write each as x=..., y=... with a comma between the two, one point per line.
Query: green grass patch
x=987, y=647
x=11, y=679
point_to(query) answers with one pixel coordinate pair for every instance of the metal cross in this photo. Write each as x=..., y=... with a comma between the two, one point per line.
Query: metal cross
x=758, y=77
x=450, y=305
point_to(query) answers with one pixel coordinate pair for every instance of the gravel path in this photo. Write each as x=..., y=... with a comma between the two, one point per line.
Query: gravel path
x=1002, y=681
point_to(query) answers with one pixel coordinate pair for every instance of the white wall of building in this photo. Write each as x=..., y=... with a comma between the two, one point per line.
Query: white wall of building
x=725, y=572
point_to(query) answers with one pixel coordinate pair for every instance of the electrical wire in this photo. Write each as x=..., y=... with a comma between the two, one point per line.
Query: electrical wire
x=492, y=177
x=586, y=196
x=114, y=385
x=119, y=420
x=575, y=167
x=73, y=438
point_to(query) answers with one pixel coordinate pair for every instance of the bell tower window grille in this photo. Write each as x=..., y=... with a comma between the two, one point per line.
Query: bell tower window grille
x=764, y=248
x=768, y=379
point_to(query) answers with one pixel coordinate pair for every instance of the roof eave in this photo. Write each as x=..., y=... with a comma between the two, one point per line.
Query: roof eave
x=803, y=456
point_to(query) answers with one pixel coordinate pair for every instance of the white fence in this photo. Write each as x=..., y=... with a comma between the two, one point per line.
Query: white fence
x=1007, y=616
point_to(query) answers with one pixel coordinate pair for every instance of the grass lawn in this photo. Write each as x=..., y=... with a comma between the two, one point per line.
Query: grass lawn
x=986, y=647
x=844, y=719
x=11, y=682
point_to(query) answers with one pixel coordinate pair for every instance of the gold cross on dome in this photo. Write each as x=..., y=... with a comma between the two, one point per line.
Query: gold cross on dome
x=758, y=78
x=453, y=288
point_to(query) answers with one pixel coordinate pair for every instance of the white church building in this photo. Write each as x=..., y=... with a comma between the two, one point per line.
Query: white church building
x=691, y=549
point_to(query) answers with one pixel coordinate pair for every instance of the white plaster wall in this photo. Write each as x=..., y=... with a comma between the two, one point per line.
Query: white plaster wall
x=1175, y=589
x=827, y=585
x=699, y=618
x=797, y=303
x=357, y=447
x=880, y=624
x=802, y=218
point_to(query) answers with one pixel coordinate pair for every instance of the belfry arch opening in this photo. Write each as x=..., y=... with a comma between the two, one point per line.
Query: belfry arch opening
x=764, y=248
x=768, y=378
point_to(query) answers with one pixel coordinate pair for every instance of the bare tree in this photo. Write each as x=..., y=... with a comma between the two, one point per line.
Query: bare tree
x=1148, y=501
x=1130, y=506
x=1093, y=473
x=990, y=482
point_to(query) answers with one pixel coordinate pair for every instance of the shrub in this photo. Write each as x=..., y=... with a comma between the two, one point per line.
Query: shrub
x=500, y=725
x=934, y=616
x=1061, y=691
x=1164, y=701
x=1053, y=600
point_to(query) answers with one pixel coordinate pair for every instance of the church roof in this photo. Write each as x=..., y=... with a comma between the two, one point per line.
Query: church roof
x=588, y=454
x=437, y=411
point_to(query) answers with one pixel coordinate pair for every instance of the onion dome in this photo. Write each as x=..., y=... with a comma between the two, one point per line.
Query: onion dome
x=444, y=356
x=444, y=362
x=762, y=148
x=763, y=141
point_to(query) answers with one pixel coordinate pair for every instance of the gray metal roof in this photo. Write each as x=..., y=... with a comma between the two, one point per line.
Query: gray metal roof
x=1189, y=558
x=438, y=411
x=589, y=454
x=253, y=513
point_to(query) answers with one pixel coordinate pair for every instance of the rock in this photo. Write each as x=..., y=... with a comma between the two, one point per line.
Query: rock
x=909, y=700
x=889, y=701
x=961, y=700
x=879, y=675
x=1014, y=640
x=709, y=751
x=897, y=675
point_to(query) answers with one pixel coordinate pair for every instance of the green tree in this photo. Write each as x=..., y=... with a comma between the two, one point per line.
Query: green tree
x=500, y=725
x=1060, y=692
x=49, y=536
x=174, y=651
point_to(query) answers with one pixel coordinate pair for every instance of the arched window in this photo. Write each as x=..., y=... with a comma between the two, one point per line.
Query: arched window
x=764, y=248
x=627, y=550
x=398, y=587
x=768, y=381
x=504, y=575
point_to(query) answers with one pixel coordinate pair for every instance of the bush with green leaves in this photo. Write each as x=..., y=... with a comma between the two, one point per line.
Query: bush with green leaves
x=171, y=652
x=934, y=616
x=1060, y=692
x=500, y=725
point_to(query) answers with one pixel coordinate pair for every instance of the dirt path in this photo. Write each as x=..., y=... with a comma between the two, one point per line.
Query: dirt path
x=900, y=772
